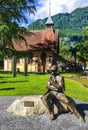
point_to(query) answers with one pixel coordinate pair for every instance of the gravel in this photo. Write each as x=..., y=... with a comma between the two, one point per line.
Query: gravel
x=65, y=121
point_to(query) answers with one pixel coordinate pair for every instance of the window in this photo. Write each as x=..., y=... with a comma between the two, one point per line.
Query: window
x=18, y=60
x=50, y=59
x=36, y=59
x=30, y=57
x=29, y=60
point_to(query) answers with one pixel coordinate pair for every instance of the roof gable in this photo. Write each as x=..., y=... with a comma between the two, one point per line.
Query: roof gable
x=37, y=40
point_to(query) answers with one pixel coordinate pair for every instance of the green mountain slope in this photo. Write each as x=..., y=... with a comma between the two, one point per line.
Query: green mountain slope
x=69, y=24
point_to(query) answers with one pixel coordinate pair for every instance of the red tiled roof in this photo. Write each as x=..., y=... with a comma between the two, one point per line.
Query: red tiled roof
x=37, y=40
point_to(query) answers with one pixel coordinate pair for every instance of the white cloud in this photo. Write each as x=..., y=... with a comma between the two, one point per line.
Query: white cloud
x=57, y=6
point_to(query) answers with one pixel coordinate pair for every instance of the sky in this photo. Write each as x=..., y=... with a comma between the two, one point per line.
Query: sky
x=56, y=6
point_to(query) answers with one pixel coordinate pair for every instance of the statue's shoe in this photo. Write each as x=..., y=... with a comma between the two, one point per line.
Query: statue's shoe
x=52, y=117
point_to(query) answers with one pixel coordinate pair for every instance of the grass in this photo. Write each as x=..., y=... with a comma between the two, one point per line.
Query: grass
x=23, y=85
x=76, y=90
x=36, y=84
x=83, y=81
x=68, y=74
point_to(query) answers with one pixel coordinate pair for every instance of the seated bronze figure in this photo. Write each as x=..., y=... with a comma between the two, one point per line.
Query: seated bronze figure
x=55, y=92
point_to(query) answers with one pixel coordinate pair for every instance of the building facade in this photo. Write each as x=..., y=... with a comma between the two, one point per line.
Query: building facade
x=41, y=45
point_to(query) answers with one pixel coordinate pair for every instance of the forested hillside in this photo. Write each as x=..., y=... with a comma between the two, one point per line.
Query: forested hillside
x=69, y=24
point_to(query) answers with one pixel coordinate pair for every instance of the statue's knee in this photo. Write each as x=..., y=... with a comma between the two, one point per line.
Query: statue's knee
x=68, y=103
x=43, y=98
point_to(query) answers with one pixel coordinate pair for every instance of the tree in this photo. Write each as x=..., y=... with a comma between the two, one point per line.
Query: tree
x=64, y=49
x=83, y=48
x=13, y=12
x=25, y=66
x=85, y=32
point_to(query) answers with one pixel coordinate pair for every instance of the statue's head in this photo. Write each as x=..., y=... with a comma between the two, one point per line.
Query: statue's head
x=54, y=69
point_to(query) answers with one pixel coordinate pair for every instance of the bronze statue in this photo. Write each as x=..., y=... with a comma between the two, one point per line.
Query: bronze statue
x=56, y=88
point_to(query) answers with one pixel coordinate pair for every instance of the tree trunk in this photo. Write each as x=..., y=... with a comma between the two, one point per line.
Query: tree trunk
x=14, y=66
x=43, y=67
x=25, y=66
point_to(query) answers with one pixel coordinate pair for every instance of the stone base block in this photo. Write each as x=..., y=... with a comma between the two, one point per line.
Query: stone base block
x=32, y=105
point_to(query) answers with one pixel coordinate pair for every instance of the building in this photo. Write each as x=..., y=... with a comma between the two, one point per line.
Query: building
x=41, y=45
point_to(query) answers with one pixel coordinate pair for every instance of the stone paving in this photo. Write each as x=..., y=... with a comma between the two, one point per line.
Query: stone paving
x=66, y=121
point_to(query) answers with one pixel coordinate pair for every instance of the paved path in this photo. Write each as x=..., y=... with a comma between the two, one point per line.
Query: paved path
x=66, y=121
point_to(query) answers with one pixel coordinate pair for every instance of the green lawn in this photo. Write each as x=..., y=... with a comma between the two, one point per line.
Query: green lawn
x=36, y=84
x=68, y=74
x=23, y=85
x=83, y=81
x=76, y=90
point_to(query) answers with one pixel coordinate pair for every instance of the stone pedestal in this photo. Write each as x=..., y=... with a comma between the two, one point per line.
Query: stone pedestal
x=26, y=106
x=32, y=105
